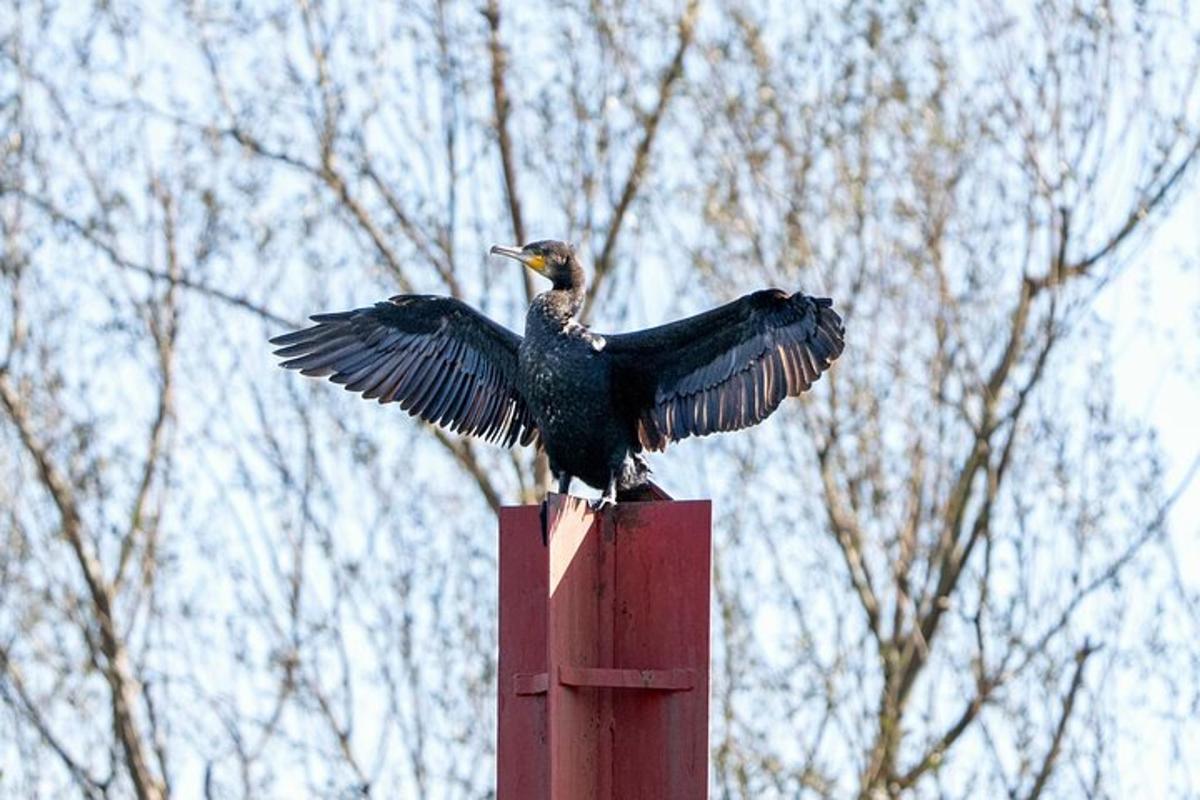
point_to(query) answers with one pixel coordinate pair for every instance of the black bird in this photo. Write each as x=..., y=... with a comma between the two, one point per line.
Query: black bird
x=593, y=401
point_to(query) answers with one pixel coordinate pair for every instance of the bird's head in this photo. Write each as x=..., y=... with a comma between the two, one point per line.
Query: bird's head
x=552, y=259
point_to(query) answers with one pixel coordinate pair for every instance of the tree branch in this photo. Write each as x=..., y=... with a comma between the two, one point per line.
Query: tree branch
x=641, y=156
x=1132, y=223
x=849, y=540
x=465, y=455
x=19, y=698
x=502, y=109
x=163, y=329
x=1060, y=730
x=934, y=755
x=328, y=174
x=91, y=237
x=116, y=670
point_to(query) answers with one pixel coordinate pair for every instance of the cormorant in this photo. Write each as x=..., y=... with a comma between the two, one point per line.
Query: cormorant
x=593, y=401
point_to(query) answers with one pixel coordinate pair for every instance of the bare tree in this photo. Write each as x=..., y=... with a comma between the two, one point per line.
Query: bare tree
x=935, y=577
x=983, y=499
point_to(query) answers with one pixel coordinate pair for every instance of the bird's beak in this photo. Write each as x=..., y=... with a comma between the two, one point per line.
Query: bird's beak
x=536, y=263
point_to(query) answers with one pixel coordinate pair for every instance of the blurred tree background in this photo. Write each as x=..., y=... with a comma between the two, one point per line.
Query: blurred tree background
x=949, y=571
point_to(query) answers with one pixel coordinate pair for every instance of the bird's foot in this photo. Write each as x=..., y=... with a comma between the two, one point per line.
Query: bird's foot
x=606, y=500
x=601, y=503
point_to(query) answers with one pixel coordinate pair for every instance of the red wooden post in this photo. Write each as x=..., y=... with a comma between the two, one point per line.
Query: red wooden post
x=604, y=650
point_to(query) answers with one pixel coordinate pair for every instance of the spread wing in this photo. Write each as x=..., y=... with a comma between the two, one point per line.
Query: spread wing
x=437, y=357
x=725, y=369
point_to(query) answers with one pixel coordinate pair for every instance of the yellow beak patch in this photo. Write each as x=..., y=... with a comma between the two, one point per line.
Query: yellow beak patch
x=537, y=264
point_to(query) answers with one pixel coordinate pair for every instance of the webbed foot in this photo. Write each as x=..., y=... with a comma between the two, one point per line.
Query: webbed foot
x=608, y=499
x=601, y=503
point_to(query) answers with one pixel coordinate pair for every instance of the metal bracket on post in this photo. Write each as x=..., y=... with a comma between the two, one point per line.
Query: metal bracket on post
x=627, y=588
x=663, y=680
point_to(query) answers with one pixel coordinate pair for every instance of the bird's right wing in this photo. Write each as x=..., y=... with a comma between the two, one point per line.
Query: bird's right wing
x=725, y=369
x=437, y=357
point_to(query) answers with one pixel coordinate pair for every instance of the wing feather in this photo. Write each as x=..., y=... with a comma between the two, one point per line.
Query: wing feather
x=434, y=356
x=726, y=369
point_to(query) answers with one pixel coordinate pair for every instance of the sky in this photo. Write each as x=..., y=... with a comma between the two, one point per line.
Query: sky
x=1150, y=308
x=1154, y=310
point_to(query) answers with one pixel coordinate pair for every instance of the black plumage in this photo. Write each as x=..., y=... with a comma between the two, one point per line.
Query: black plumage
x=435, y=356
x=593, y=401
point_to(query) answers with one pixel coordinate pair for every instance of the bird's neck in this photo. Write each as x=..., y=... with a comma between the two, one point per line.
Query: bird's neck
x=562, y=305
x=565, y=300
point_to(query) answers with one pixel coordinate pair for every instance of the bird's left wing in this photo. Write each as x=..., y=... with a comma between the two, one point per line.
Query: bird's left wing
x=437, y=357
x=725, y=369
